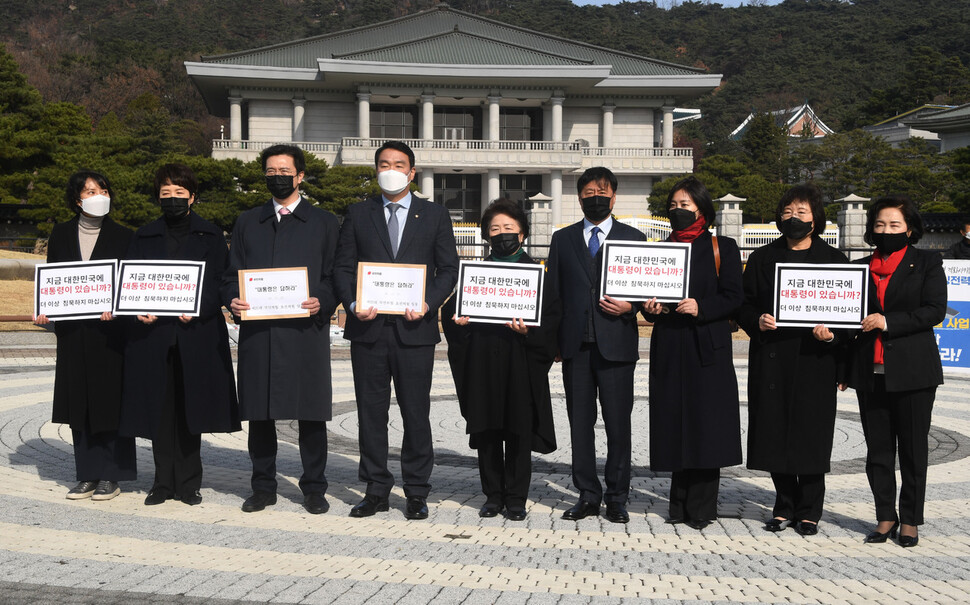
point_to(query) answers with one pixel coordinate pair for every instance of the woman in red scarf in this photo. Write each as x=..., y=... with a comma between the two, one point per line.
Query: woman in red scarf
x=894, y=364
x=695, y=427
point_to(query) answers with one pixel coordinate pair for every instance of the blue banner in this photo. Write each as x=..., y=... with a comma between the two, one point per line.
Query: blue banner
x=953, y=333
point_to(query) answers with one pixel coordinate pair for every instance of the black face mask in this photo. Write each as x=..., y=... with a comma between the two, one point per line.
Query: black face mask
x=794, y=228
x=174, y=207
x=681, y=218
x=596, y=207
x=887, y=243
x=280, y=186
x=504, y=244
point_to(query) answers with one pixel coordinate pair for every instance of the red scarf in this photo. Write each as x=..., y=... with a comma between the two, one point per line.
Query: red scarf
x=882, y=269
x=690, y=234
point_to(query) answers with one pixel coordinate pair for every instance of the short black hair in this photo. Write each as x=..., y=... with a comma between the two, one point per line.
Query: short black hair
x=179, y=175
x=76, y=183
x=397, y=145
x=504, y=205
x=806, y=192
x=698, y=193
x=299, y=162
x=906, y=205
x=595, y=175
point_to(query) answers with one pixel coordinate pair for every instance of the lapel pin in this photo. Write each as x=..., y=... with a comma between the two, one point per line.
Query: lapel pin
x=416, y=215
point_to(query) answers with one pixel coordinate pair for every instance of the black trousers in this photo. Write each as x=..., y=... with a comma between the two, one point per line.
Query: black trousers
x=799, y=497
x=177, y=452
x=505, y=474
x=894, y=422
x=693, y=494
x=375, y=365
x=583, y=376
x=312, y=441
x=104, y=456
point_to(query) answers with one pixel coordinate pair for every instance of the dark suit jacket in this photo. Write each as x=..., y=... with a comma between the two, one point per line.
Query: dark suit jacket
x=915, y=302
x=90, y=352
x=428, y=240
x=577, y=282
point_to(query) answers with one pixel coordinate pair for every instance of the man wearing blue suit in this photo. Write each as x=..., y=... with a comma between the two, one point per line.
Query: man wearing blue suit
x=598, y=344
x=395, y=228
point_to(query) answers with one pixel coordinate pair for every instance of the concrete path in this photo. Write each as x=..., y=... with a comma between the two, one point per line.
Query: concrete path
x=57, y=551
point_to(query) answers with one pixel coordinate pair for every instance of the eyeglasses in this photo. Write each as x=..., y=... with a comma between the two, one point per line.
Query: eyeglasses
x=800, y=214
x=281, y=172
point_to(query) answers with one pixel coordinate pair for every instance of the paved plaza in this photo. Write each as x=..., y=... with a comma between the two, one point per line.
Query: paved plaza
x=53, y=550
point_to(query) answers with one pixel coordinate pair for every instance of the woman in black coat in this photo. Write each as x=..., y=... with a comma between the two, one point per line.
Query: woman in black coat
x=178, y=374
x=695, y=426
x=792, y=376
x=501, y=375
x=87, y=380
x=894, y=364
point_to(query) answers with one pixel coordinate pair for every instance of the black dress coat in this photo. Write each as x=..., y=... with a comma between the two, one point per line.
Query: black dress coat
x=792, y=376
x=428, y=239
x=915, y=302
x=90, y=352
x=694, y=409
x=284, y=364
x=203, y=343
x=502, y=377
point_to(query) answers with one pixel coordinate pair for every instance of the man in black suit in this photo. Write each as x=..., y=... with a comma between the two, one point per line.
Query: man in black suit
x=395, y=228
x=284, y=364
x=598, y=344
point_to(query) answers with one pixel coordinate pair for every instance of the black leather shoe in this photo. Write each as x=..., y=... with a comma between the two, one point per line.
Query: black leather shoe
x=775, y=525
x=616, y=513
x=805, y=528
x=258, y=501
x=697, y=524
x=490, y=510
x=416, y=508
x=878, y=538
x=908, y=541
x=192, y=498
x=369, y=506
x=581, y=510
x=675, y=520
x=515, y=513
x=157, y=496
x=315, y=503
x=82, y=490
x=106, y=490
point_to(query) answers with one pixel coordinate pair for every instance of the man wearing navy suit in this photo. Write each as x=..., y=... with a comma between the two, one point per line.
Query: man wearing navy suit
x=395, y=228
x=598, y=344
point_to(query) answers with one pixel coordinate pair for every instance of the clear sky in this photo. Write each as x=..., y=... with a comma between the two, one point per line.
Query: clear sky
x=667, y=2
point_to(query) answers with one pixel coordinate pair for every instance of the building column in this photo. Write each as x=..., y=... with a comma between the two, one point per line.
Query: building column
x=427, y=117
x=556, y=118
x=299, y=106
x=427, y=182
x=494, y=187
x=494, y=122
x=235, y=118
x=668, y=138
x=363, y=115
x=555, y=192
x=852, y=226
x=607, y=125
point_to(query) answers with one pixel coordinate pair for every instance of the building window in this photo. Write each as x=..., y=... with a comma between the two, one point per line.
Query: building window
x=520, y=187
x=520, y=125
x=461, y=194
x=393, y=122
x=458, y=123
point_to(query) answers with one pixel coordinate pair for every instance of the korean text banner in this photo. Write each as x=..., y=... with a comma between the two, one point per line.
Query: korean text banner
x=493, y=292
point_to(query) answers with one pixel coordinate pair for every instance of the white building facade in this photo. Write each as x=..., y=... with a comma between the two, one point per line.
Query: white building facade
x=490, y=109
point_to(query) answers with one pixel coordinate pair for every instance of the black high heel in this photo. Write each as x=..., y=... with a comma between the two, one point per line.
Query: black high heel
x=878, y=538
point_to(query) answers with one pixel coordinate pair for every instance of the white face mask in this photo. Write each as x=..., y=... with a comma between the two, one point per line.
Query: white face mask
x=96, y=205
x=967, y=235
x=392, y=182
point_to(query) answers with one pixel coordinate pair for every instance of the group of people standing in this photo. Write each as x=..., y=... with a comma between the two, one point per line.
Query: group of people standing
x=170, y=378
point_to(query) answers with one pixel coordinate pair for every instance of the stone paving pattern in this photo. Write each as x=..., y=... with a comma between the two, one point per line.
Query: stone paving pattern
x=60, y=551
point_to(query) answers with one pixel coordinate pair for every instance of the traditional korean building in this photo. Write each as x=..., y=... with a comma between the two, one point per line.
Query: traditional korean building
x=795, y=121
x=490, y=109
x=952, y=125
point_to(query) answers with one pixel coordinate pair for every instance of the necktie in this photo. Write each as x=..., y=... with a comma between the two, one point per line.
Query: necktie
x=284, y=212
x=594, y=241
x=392, y=227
